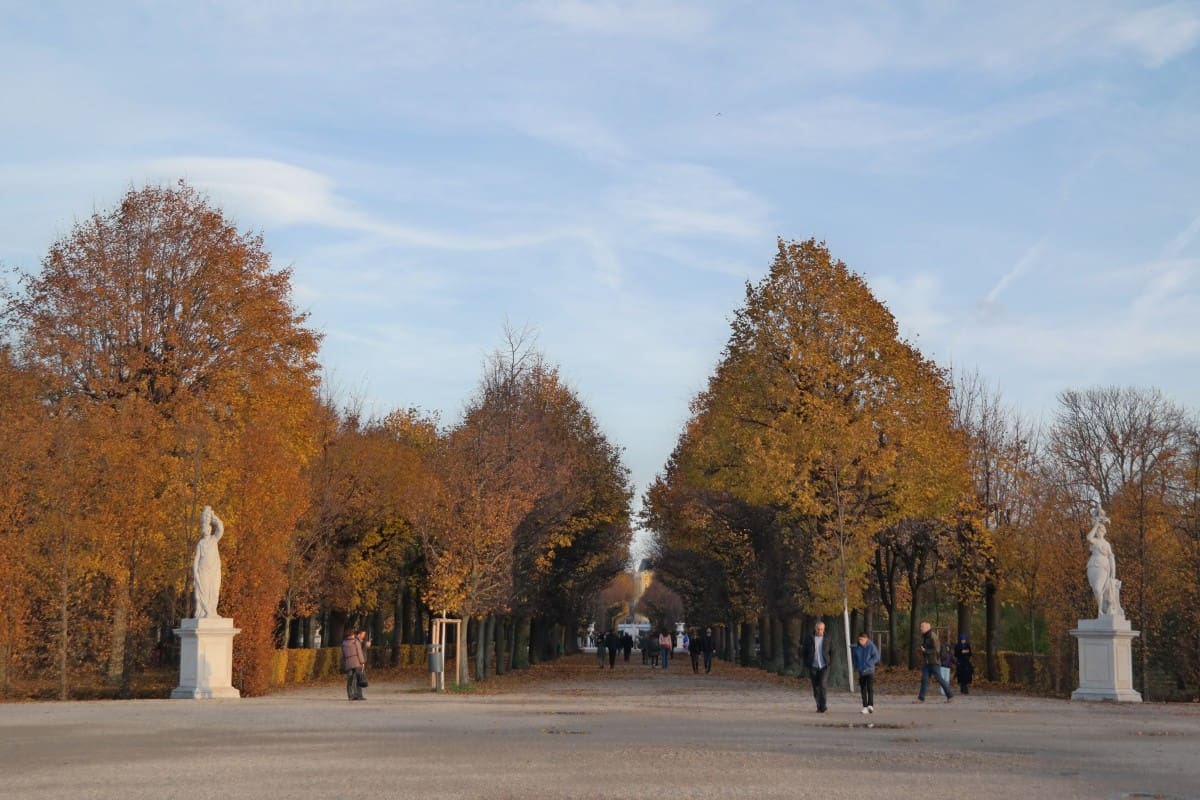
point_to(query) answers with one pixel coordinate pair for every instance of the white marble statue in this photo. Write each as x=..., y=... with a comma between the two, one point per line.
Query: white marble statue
x=206, y=567
x=1102, y=568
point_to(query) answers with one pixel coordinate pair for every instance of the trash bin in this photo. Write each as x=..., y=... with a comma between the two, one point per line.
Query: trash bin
x=436, y=662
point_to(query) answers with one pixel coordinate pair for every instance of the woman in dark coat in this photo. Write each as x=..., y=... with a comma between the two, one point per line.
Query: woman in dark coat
x=964, y=669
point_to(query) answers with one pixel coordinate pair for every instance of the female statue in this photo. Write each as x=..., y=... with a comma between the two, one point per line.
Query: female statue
x=206, y=567
x=1102, y=567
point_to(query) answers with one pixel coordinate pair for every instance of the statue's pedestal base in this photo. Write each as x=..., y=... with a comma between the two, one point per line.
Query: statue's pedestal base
x=205, y=659
x=1106, y=660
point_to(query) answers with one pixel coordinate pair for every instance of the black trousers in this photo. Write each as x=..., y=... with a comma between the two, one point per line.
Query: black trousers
x=612, y=657
x=695, y=662
x=353, y=690
x=866, y=684
x=820, y=678
x=708, y=660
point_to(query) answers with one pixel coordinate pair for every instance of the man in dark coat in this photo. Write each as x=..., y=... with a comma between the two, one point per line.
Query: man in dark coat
x=931, y=653
x=964, y=669
x=613, y=642
x=818, y=652
x=708, y=647
x=626, y=644
x=694, y=651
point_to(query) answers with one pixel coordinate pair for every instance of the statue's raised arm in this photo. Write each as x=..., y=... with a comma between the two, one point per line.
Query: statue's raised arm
x=206, y=566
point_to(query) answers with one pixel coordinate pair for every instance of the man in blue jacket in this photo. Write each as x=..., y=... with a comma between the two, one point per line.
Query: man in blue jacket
x=866, y=656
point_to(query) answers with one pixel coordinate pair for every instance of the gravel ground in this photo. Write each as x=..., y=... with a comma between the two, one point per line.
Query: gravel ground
x=572, y=731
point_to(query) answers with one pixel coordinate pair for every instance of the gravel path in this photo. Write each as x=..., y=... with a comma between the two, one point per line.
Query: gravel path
x=574, y=732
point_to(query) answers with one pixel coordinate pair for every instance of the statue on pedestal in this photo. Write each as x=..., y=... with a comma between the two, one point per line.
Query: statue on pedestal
x=206, y=566
x=1102, y=568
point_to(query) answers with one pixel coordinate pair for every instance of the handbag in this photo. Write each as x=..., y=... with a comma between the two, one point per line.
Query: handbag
x=362, y=679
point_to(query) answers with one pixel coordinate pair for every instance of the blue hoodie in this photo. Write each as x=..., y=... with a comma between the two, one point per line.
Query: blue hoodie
x=865, y=658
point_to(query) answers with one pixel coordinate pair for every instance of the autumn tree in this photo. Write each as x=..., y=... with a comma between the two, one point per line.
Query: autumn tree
x=1126, y=449
x=529, y=516
x=822, y=416
x=170, y=331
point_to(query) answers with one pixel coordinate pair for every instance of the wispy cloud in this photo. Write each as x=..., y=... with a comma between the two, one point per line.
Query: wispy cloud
x=679, y=199
x=1160, y=34
x=283, y=194
x=870, y=132
x=1026, y=262
x=659, y=19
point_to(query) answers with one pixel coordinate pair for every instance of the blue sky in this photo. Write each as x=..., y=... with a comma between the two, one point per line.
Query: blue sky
x=1020, y=182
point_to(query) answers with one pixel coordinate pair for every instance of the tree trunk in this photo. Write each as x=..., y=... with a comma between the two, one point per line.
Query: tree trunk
x=397, y=628
x=776, y=645
x=64, y=629
x=764, y=641
x=792, y=625
x=914, y=623
x=746, y=650
x=117, y=672
x=992, y=613
x=502, y=625
x=475, y=645
x=964, y=618
x=893, y=652
x=522, y=635
x=839, y=674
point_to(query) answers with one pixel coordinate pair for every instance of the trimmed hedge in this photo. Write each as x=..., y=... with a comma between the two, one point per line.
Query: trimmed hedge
x=300, y=665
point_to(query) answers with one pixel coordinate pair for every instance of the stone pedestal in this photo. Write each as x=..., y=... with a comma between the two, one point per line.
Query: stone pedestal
x=1106, y=660
x=205, y=659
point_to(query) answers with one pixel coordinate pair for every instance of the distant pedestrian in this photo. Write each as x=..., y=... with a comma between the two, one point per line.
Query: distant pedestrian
x=613, y=642
x=818, y=652
x=931, y=653
x=694, y=651
x=627, y=644
x=964, y=670
x=665, y=646
x=600, y=650
x=644, y=646
x=866, y=657
x=653, y=648
x=352, y=664
x=708, y=646
x=365, y=643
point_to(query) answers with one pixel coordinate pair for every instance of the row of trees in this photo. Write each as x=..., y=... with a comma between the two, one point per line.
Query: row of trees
x=828, y=464
x=157, y=364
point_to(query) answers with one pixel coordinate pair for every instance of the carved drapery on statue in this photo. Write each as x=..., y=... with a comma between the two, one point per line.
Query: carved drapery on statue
x=206, y=567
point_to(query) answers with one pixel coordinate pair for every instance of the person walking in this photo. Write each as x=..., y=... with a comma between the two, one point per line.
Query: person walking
x=352, y=664
x=708, y=647
x=664, y=645
x=600, y=649
x=818, y=652
x=627, y=644
x=964, y=670
x=694, y=652
x=931, y=654
x=613, y=642
x=365, y=643
x=866, y=657
x=653, y=648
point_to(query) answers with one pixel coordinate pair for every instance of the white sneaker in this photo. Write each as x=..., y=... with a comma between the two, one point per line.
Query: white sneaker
x=870, y=709
x=865, y=710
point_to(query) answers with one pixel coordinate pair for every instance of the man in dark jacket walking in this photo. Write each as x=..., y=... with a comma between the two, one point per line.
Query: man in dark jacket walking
x=613, y=642
x=708, y=646
x=931, y=654
x=818, y=652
